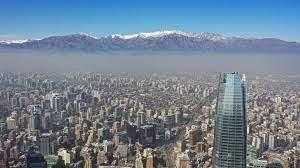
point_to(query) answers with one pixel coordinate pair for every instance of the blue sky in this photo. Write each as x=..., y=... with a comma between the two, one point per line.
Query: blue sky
x=252, y=18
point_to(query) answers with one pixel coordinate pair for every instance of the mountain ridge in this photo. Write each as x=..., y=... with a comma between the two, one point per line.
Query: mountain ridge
x=160, y=40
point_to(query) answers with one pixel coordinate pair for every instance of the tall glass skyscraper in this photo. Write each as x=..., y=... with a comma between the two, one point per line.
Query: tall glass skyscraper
x=230, y=132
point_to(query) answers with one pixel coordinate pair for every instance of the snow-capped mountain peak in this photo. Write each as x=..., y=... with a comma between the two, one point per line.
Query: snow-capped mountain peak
x=14, y=41
x=146, y=35
x=86, y=35
x=156, y=34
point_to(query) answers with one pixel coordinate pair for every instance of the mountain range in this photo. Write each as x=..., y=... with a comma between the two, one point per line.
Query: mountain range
x=168, y=40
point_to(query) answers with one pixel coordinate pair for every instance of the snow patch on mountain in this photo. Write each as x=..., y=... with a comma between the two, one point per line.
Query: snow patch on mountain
x=14, y=41
x=157, y=34
x=86, y=35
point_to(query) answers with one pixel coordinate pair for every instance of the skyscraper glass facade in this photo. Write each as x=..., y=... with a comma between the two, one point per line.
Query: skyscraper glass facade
x=230, y=132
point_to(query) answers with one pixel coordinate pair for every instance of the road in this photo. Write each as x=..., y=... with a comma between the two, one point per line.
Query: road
x=167, y=148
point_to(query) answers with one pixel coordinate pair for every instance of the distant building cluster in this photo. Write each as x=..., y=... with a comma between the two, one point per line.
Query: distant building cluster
x=180, y=120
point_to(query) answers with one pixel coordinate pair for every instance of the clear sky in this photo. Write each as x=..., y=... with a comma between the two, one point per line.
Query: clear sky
x=252, y=18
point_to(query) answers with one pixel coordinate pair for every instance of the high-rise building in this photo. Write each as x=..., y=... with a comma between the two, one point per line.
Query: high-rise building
x=272, y=141
x=35, y=160
x=298, y=115
x=147, y=134
x=150, y=161
x=103, y=133
x=66, y=155
x=45, y=145
x=230, y=132
x=11, y=123
x=131, y=132
x=139, y=160
x=34, y=121
x=141, y=118
x=46, y=121
x=169, y=120
x=178, y=116
x=58, y=103
x=23, y=101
